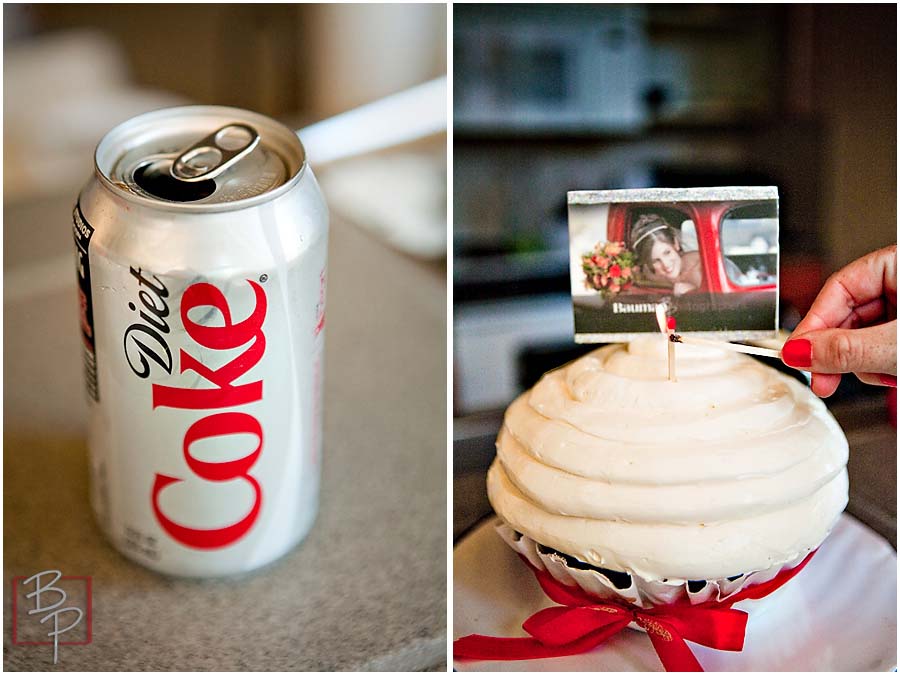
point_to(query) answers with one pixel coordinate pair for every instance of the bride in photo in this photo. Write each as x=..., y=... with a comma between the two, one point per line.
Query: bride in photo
x=661, y=257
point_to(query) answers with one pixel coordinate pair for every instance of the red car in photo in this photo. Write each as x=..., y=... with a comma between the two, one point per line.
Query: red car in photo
x=720, y=273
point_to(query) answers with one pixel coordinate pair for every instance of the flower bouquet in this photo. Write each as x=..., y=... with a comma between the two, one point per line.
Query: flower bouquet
x=608, y=268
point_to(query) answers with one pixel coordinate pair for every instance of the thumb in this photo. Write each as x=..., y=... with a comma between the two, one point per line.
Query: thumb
x=844, y=350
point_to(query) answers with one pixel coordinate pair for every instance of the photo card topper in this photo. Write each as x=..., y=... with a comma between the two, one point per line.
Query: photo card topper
x=709, y=255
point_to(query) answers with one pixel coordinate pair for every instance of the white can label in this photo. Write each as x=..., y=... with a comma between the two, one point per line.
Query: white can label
x=228, y=409
x=207, y=437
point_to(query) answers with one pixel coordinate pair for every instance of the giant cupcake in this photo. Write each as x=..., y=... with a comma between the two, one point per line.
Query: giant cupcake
x=612, y=477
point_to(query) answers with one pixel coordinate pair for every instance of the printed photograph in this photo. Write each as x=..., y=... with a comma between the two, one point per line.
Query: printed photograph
x=710, y=255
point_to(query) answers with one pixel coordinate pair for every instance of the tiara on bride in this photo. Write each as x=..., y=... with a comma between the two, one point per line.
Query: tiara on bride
x=648, y=233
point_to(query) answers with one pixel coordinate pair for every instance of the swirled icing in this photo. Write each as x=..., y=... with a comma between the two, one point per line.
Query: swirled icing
x=732, y=468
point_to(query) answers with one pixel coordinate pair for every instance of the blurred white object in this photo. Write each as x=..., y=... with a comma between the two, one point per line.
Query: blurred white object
x=362, y=52
x=489, y=339
x=400, y=198
x=62, y=93
x=397, y=119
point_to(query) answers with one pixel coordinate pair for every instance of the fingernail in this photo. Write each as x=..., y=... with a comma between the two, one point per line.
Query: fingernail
x=888, y=380
x=797, y=353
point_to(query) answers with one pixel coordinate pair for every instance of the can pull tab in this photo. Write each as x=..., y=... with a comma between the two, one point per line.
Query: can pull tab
x=212, y=155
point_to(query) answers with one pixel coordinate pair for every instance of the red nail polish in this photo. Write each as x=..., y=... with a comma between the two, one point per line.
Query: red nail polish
x=797, y=353
x=888, y=380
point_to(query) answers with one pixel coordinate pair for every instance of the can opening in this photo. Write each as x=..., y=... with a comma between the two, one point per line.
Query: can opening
x=240, y=156
x=155, y=178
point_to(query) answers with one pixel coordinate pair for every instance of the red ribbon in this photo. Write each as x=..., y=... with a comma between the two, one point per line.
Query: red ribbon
x=582, y=622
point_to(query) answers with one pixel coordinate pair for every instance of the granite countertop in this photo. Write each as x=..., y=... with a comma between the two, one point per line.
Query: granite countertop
x=365, y=591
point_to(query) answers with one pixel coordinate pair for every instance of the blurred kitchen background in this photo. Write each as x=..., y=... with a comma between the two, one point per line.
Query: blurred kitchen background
x=551, y=98
x=72, y=72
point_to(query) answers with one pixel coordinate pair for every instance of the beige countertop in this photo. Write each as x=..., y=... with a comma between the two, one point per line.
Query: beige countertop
x=365, y=591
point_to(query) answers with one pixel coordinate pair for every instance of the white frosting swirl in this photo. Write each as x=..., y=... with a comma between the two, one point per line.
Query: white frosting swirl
x=733, y=468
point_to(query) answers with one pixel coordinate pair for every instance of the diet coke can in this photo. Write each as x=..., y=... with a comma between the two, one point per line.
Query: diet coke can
x=201, y=251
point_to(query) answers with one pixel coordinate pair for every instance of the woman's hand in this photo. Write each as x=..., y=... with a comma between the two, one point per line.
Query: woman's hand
x=851, y=326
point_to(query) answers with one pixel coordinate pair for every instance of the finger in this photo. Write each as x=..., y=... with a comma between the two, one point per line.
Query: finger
x=866, y=315
x=824, y=384
x=860, y=282
x=840, y=350
x=878, y=379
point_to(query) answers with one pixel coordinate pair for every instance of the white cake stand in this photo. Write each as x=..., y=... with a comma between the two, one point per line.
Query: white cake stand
x=838, y=614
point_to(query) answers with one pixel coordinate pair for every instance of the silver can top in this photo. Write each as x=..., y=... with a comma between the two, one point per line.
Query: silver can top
x=200, y=158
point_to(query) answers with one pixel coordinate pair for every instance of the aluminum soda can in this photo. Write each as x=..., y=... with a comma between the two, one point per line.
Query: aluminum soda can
x=201, y=245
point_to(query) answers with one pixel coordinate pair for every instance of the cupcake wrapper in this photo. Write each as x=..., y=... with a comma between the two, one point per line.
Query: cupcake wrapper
x=633, y=589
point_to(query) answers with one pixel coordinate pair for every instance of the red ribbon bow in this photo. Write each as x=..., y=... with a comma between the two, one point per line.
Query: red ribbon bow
x=583, y=622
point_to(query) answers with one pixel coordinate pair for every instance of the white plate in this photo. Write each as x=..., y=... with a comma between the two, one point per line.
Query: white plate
x=838, y=614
